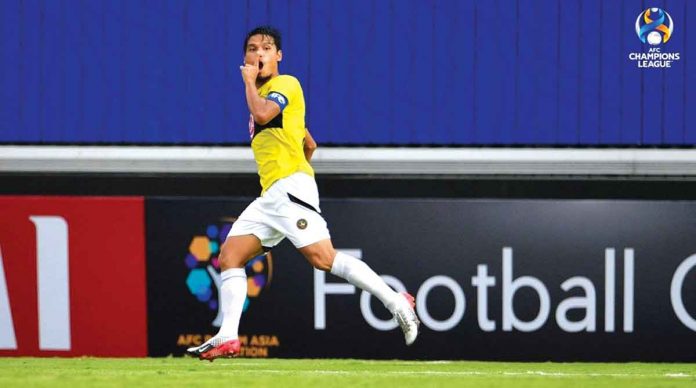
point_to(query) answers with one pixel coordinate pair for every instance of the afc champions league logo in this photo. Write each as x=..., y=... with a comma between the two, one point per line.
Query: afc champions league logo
x=654, y=26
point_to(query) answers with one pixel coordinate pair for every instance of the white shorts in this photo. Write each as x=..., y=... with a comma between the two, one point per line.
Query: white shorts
x=289, y=208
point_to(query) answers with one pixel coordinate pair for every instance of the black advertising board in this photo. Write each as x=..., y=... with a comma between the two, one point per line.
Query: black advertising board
x=564, y=280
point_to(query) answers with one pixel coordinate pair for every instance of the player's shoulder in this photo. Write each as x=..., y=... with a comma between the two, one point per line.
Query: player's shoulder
x=287, y=79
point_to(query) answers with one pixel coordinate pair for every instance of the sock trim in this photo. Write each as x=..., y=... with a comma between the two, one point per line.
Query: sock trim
x=338, y=267
x=233, y=273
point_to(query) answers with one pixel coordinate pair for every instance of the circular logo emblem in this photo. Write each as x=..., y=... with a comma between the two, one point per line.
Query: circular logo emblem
x=654, y=26
x=302, y=223
x=203, y=280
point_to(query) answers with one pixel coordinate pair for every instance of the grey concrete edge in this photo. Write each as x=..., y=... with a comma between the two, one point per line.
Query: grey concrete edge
x=411, y=161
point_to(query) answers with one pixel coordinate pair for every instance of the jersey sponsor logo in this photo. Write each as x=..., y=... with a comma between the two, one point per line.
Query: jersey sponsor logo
x=302, y=224
x=252, y=127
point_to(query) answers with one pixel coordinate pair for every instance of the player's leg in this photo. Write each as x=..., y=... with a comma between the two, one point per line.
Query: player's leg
x=302, y=223
x=234, y=254
x=323, y=256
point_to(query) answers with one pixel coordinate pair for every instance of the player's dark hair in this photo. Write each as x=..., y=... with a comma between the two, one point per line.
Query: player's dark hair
x=264, y=30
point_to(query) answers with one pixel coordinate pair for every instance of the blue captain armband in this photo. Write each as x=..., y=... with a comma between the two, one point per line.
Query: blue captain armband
x=279, y=99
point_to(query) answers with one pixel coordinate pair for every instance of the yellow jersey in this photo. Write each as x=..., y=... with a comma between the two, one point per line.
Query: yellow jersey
x=278, y=145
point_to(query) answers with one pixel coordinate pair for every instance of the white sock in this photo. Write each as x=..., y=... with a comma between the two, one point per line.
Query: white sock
x=233, y=293
x=359, y=274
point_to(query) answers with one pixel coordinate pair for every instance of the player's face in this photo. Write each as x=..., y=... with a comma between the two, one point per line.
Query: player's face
x=263, y=48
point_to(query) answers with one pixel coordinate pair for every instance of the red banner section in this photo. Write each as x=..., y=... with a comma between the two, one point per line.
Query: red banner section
x=72, y=276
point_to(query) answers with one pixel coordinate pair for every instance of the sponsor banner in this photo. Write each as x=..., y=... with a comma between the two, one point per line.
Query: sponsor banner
x=564, y=280
x=72, y=276
x=183, y=241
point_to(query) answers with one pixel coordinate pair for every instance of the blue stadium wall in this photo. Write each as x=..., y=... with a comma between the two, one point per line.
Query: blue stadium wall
x=383, y=72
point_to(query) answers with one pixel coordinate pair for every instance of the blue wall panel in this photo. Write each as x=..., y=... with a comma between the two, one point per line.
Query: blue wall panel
x=385, y=72
x=673, y=103
x=689, y=78
x=631, y=82
x=9, y=70
x=611, y=59
x=568, y=73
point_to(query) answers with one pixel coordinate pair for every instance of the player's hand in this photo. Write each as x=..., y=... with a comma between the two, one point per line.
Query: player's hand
x=250, y=71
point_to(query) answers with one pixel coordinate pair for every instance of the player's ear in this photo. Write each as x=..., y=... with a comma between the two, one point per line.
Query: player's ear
x=280, y=55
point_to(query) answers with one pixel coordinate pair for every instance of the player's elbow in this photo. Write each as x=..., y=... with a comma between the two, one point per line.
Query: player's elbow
x=262, y=118
x=310, y=146
x=266, y=112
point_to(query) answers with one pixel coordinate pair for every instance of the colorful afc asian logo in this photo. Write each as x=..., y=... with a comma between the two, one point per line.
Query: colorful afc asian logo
x=203, y=279
x=654, y=28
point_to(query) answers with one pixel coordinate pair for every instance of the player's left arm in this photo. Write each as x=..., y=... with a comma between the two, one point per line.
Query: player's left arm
x=263, y=109
x=309, y=145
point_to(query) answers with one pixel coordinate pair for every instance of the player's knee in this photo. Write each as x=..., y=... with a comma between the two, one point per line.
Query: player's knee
x=323, y=264
x=229, y=258
x=321, y=260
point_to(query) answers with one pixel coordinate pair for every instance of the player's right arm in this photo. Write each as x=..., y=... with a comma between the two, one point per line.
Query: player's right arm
x=309, y=145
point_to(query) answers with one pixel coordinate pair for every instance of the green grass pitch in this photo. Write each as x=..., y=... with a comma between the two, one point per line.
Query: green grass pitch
x=187, y=372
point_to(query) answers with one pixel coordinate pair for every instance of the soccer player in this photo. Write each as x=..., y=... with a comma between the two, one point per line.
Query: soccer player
x=289, y=201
